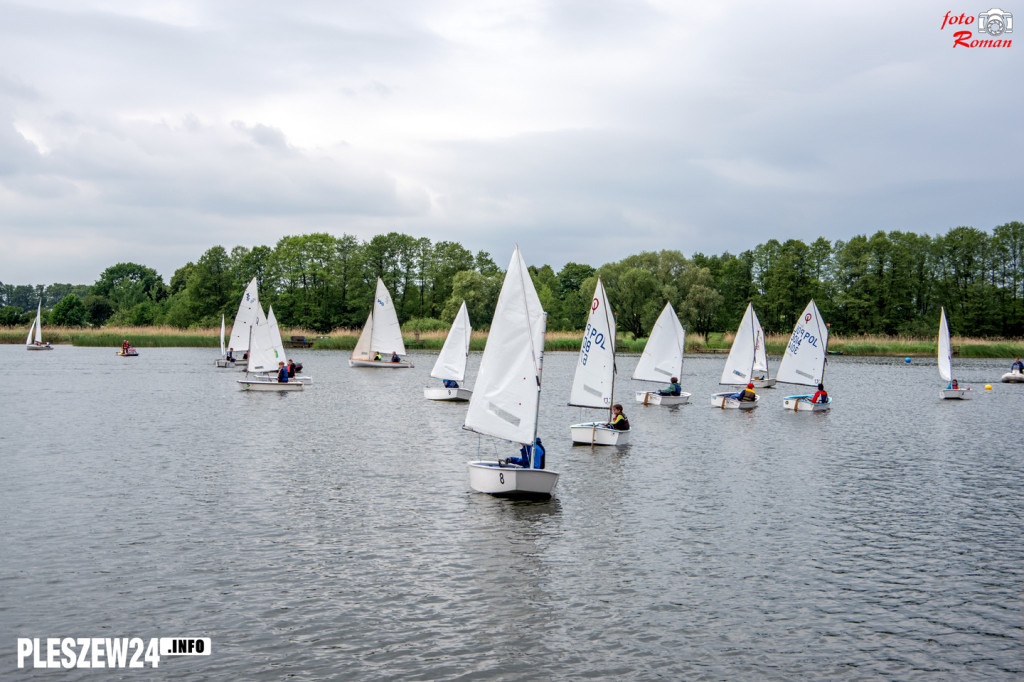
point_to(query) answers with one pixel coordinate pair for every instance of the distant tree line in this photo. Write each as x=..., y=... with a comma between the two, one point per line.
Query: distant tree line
x=889, y=283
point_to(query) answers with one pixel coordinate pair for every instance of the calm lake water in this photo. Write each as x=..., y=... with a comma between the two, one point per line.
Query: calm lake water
x=331, y=534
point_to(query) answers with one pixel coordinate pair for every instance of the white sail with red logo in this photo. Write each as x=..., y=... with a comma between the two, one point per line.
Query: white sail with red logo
x=804, y=359
x=594, y=382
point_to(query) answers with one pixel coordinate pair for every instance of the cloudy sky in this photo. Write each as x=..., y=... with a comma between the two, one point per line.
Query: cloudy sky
x=585, y=130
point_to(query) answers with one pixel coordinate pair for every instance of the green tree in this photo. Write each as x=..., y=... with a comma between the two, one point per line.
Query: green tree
x=69, y=312
x=128, y=284
x=12, y=316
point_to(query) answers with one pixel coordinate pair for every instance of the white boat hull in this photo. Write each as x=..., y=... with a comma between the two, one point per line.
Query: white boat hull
x=955, y=393
x=224, y=364
x=404, y=364
x=455, y=394
x=1013, y=378
x=38, y=347
x=263, y=385
x=495, y=479
x=763, y=383
x=655, y=398
x=802, y=403
x=725, y=401
x=596, y=433
x=298, y=379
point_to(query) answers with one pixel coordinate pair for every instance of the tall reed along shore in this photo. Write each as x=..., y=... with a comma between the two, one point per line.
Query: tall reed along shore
x=345, y=339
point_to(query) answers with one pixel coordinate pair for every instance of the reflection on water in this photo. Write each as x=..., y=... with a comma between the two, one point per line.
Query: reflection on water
x=332, y=534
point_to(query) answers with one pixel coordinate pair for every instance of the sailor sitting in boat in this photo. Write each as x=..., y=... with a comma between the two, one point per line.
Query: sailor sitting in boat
x=619, y=421
x=231, y=355
x=394, y=357
x=747, y=395
x=282, y=372
x=954, y=385
x=451, y=383
x=821, y=396
x=377, y=357
x=673, y=388
x=523, y=460
x=1017, y=366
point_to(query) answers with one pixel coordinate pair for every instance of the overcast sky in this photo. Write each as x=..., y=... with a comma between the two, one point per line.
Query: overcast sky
x=585, y=130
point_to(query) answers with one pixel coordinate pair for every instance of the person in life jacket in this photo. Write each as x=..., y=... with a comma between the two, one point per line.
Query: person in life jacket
x=673, y=388
x=619, y=421
x=527, y=453
x=124, y=347
x=1017, y=366
x=822, y=395
x=451, y=383
x=231, y=355
x=377, y=357
x=747, y=395
x=282, y=372
x=291, y=369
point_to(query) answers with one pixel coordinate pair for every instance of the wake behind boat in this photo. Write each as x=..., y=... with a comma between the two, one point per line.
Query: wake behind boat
x=593, y=384
x=506, y=399
x=451, y=361
x=380, y=343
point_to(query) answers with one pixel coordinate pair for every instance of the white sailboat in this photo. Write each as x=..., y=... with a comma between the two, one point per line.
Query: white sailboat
x=381, y=336
x=249, y=310
x=262, y=367
x=740, y=365
x=274, y=335
x=945, y=355
x=594, y=382
x=662, y=358
x=804, y=360
x=451, y=361
x=506, y=399
x=34, y=340
x=223, y=361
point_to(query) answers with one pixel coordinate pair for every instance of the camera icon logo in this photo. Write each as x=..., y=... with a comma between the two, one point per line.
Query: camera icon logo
x=995, y=22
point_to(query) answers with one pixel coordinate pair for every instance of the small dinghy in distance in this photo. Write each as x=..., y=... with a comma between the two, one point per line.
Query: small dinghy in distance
x=593, y=384
x=381, y=335
x=944, y=355
x=506, y=398
x=223, y=361
x=34, y=340
x=662, y=359
x=451, y=361
x=803, y=363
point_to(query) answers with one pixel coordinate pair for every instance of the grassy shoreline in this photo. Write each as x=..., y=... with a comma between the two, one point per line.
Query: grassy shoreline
x=345, y=339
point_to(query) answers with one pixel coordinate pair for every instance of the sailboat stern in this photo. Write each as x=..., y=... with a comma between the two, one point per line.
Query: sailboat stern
x=655, y=398
x=503, y=480
x=802, y=403
x=451, y=394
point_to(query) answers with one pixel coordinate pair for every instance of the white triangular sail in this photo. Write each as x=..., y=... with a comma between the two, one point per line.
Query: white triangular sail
x=262, y=357
x=760, y=366
x=386, y=334
x=507, y=392
x=804, y=359
x=223, y=351
x=662, y=358
x=35, y=332
x=451, y=362
x=245, y=318
x=594, y=382
x=275, y=338
x=362, y=349
x=740, y=363
x=944, y=352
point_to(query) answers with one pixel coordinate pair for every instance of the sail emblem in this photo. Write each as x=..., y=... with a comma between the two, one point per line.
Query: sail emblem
x=595, y=304
x=807, y=317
